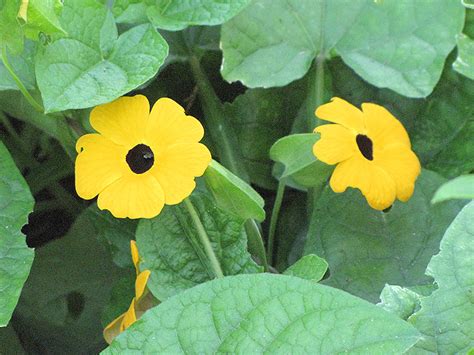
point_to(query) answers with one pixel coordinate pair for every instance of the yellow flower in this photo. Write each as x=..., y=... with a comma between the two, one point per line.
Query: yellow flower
x=372, y=151
x=140, y=160
x=135, y=310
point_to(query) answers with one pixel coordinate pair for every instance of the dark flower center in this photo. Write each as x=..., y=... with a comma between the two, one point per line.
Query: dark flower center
x=140, y=158
x=365, y=146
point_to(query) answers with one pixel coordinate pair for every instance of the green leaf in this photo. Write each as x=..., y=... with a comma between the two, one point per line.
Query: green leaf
x=461, y=187
x=310, y=267
x=130, y=11
x=170, y=249
x=115, y=234
x=233, y=194
x=464, y=63
x=42, y=17
x=175, y=14
x=391, y=44
x=92, y=66
x=399, y=300
x=11, y=33
x=445, y=317
x=259, y=118
x=295, y=152
x=69, y=286
x=16, y=258
x=275, y=314
x=23, y=66
x=366, y=248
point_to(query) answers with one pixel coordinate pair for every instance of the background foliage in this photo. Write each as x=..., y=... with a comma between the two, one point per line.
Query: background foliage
x=253, y=71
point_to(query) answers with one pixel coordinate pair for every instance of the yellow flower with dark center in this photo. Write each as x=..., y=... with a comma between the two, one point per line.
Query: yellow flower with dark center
x=140, y=160
x=138, y=305
x=372, y=151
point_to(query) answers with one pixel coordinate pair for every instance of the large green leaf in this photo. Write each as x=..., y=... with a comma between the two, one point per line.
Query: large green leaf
x=295, y=152
x=177, y=14
x=310, y=267
x=23, y=66
x=259, y=118
x=16, y=258
x=233, y=194
x=392, y=44
x=461, y=187
x=170, y=249
x=275, y=314
x=92, y=65
x=115, y=234
x=69, y=285
x=11, y=33
x=366, y=248
x=464, y=63
x=446, y=318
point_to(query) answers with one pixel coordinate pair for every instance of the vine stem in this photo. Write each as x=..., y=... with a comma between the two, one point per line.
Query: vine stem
x=274, y=218
x=18, y=82
x=225, y=139
x=216, y=266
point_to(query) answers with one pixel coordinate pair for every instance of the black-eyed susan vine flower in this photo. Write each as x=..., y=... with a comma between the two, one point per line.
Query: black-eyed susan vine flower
x=140, y=160
x=140, y=303
x=372, y=151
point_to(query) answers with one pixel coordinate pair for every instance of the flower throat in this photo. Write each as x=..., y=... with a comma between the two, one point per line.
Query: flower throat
x=365, y=146
x=140, y=158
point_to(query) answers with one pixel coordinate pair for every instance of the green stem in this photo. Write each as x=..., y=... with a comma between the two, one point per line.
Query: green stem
x=226, y=141
x=216, y=266
x=18, y=82
x=221, y=133
x=274, y=218
x=255, y=241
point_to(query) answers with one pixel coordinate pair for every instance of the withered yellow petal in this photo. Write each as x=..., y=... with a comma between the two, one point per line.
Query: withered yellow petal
x=129, y=317
x=100, y=162
x=135, y=255
x=342, y=112
x=140, y=283
x=113, y=329
x=336, y=144
x=133, y=196
x=123, y=121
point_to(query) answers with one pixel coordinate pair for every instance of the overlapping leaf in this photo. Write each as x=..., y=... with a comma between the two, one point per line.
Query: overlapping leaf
x=445, y=317
x=256, y=314
x=92, y=65
x=171, y=250
x=16, y=258
x=392, y=44
x=366, y=249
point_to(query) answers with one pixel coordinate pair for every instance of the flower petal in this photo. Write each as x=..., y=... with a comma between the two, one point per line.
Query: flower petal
x=123, y=121
x=176, y=168
x=342, y=112
x=402, y=165
x=140, y=283
x=129, y=317
x=133, y=196
x=383, y=128
x=113, y=329
x=135, y=255
x=375, y=184
x=168, y=124
x=336, y=144
x=100, y=162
